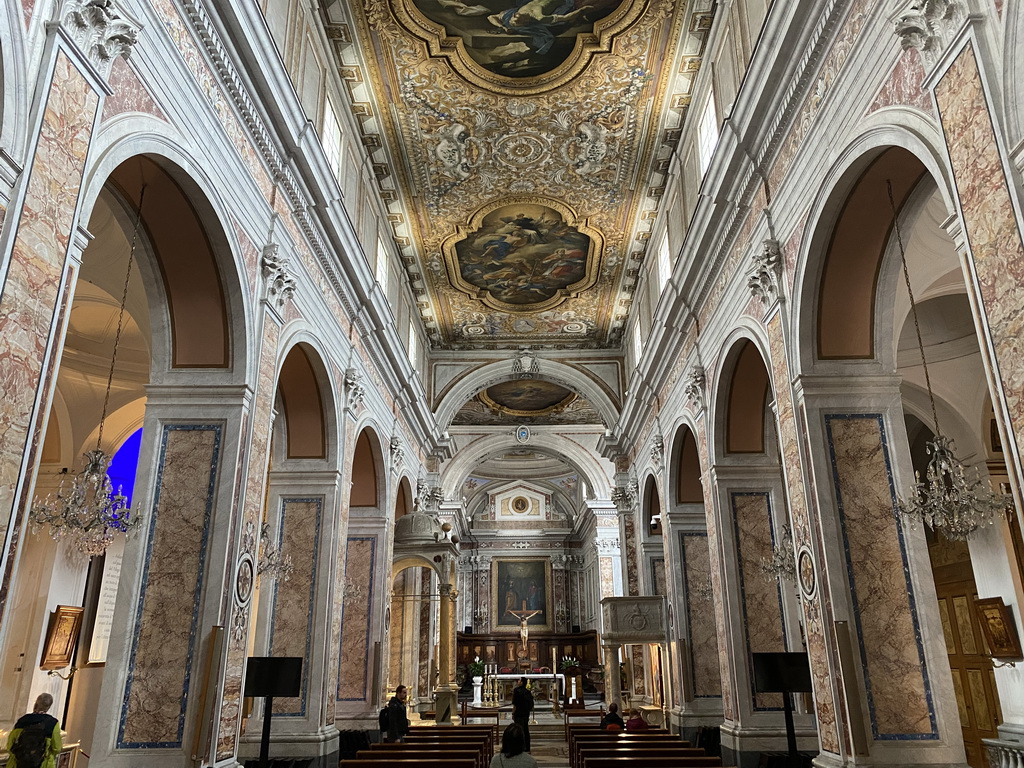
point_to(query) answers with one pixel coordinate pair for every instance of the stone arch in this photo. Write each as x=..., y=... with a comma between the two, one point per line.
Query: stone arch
x=597, y=478
x=13, y=131
x=469, y=384
x=307, y=400
x=404, y=498
x=743, y=421
x=369, y=482
x=198, y=198
x=652, y=506
x=914, y=146
x=685, y=472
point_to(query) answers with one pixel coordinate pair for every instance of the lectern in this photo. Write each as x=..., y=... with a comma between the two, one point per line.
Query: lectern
x=784, y=673
x=271, y=676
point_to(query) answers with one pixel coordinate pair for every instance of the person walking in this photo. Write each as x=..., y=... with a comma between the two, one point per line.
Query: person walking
x=398, y=719
x=35, y=741
x=522, y=706
x=513, y=746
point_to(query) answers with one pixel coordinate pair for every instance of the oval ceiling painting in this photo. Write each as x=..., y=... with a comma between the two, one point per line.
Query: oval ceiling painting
x=522, y=257
x=518, y=39
x=527, y=397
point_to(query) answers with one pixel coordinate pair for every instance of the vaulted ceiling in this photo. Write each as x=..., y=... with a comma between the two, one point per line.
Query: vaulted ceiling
x=522, y=147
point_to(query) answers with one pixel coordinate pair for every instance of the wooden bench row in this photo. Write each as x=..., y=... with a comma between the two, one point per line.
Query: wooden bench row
x=454, y=747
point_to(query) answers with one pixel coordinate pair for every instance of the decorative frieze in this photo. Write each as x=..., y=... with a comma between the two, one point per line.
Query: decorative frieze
x=397, y=451
x=101, y=31
x=277, y=272
x=929, y=26
x=764, y=277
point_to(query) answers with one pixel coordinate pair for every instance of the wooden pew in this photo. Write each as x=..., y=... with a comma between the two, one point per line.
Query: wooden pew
x=617, y=739
x=640, y=755
x=580, y=714
x=417, y=762
x=426, y=752
x=653, y=762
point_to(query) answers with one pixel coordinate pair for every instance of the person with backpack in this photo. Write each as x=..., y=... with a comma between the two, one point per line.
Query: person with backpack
x=397, y=720
x=35, y=741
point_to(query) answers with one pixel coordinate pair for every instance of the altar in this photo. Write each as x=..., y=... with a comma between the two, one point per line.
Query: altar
x=554, y=685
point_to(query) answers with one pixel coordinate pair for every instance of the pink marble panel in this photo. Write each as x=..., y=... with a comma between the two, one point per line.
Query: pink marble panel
x=658, y=574
x=607, y=570
x=164, y=646
x=905, y=85
x=338, y=608
x=33, y=280
x=399, y=591
x=28, y=7
x=630, y=552
x=252, y=513
x=823, y=676
x=702, y=632
x=250, y=257
x=354, y=669
x=129, y=93
x=895, y=674
x=762, y=604
x=294, y=600
x=639, y=670
x=716, y=567
x=422, y=676
x=989, y=222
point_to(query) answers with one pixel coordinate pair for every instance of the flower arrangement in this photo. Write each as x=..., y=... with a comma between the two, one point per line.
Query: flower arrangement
x=476, y=667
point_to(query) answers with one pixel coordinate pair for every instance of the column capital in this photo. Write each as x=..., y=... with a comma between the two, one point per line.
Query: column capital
x=101, y=30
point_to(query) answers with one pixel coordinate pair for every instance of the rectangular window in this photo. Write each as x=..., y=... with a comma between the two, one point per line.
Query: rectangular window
x=414, y=347
x=664, y=264
x=707, y=133
x=330, y=137
x=382, y=267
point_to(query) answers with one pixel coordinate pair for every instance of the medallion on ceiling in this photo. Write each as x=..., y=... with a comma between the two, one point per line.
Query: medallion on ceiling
x=517, y=45
x=523, y=255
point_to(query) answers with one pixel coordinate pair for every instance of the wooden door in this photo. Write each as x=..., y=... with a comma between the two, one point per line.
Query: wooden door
x=973, y=681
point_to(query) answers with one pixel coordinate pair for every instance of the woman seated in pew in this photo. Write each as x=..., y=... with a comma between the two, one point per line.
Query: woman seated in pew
x=635, y=722
x=513, y=746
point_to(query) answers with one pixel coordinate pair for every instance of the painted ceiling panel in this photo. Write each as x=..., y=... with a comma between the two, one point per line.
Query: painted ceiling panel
x=525, y=137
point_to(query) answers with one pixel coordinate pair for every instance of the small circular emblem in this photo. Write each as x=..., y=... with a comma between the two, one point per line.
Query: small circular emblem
x=805, y=570
x=523, y=434
x=520, y=504
x=244, y=578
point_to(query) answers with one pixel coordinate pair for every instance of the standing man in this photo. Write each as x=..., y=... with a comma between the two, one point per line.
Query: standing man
x=522, y=706
x=35, y=739
x=398, y=720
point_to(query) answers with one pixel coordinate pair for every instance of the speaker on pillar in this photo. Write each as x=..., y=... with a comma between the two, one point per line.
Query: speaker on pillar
x=468, y=630
x=575, y=629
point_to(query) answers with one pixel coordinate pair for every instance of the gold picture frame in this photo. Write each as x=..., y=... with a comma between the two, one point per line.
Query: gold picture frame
x=61, y=637
x=999, y=629
x=523, y=573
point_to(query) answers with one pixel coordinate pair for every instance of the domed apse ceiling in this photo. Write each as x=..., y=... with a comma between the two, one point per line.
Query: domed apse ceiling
x=522, y=148
x=526, y=401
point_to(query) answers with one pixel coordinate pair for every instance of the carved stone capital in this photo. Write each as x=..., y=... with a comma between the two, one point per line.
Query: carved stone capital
x=657, y=451
x=277, y=272
x=693, y=386
x=764, y=278
x=929, y=25
x=101, y=30
x=355, y=392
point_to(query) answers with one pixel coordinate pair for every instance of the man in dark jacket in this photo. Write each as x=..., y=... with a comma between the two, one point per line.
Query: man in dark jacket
x=613, y=718
x=522, y=706
x=398, y=720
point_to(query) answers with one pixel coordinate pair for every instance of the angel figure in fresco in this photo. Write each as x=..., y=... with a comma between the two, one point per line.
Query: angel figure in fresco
x=536, y=19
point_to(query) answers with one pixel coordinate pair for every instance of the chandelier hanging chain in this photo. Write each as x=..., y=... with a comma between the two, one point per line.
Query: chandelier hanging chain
x=120, y=317
x=913, y=308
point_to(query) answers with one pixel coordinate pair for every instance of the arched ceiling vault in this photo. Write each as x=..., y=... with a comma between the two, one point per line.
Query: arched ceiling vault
x=521, y=148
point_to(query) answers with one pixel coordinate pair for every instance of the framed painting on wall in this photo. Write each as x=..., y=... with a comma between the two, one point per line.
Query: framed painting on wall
x=61, y=636
x=999, y=628
x=521, y=588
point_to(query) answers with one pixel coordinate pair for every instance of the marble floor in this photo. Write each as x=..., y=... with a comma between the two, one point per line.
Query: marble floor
x=550, y=752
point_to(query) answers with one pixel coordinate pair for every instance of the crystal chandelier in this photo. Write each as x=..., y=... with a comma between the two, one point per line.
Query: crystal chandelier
x=952, y=499
x=85, y=510
x=273, y=563
x=781, y=564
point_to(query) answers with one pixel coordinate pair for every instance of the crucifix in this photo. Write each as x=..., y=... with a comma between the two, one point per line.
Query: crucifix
x=524, y=616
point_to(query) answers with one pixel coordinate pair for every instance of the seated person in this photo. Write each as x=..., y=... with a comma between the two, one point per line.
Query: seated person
x=513, y=750
x=612, y=721
x=635, y=722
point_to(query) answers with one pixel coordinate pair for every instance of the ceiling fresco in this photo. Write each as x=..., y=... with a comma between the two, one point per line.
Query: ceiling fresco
x=527, y=401
x=524, y=143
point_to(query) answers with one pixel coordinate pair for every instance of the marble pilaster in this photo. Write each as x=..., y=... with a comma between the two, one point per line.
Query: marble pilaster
x=356, y=619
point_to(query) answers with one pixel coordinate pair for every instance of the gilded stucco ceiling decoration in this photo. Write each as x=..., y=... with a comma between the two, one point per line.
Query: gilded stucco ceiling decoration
x=525, y=191
x=529, y=402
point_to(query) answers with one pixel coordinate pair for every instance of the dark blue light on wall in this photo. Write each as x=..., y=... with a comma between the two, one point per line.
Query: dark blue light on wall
x=125, y=465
